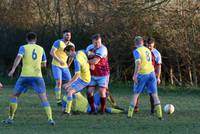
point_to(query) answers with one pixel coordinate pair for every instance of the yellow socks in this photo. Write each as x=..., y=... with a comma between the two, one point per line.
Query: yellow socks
x=58, y=94
x=130, y=111
x=12, y=108
x=47, y=109
x=158, y=111
x=69, y=105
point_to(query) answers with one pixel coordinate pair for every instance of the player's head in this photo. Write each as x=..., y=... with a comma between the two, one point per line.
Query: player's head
x=96, y=40
x=66, y=35
x=70, y=50
x=138, y=40
x=31, y=37
x=150, y=42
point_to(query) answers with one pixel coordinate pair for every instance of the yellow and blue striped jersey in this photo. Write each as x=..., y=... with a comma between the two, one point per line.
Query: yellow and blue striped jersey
x=59, y=45
x=143, y=54
x=82, y=66
x=32, y=57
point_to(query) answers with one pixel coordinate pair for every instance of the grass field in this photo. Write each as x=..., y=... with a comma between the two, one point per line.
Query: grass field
x=31, y=119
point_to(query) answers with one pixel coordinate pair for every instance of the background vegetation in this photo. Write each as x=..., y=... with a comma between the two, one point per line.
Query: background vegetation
x=175, y=24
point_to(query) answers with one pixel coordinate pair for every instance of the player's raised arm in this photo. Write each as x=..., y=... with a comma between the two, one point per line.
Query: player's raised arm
x=17, y=61
x=53, y=52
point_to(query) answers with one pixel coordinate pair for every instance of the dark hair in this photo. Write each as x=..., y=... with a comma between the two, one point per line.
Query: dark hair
x=66, y=31
x=96, y=36
x=31, y=36
x=150, y=40
x=69, y=48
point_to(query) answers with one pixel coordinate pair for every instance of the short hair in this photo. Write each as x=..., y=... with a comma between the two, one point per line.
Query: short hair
x=138, y=39
x=150, y=40
x=69, y=48
x=96, y=36
x=31, y=36
x=66, y=31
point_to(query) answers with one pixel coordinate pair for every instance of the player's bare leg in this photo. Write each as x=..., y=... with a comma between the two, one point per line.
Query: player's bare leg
x=136, y=107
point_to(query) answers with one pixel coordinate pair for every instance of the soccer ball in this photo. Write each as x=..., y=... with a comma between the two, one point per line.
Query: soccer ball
x=169, y=108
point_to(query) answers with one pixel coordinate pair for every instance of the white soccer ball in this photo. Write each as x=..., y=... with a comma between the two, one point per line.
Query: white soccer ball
x=169, y=108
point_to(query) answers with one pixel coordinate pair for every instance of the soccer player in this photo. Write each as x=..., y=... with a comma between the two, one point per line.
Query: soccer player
x=144, y=76
x=80, y=104
x=82, y=76
x=61, y=63
x=33, y=57
x=156, y=62
x=100, y=71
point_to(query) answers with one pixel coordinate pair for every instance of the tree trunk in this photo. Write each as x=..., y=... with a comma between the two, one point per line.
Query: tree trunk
x=163, y=79
x=194, y=73
x=171, y=75
x=59, y=19
x=118, y=72
x=190, y=75
x=179, y=72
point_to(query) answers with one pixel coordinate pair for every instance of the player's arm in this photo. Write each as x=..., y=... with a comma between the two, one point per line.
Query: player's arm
x=137, y=68
x=94, y=60
x=100, y=53
x=70, y=60
x=17, y=61
x=158, y=67
x=76, y=75
x=158, y=72
x=90, y=54
x=53, y=52
x=137, y=65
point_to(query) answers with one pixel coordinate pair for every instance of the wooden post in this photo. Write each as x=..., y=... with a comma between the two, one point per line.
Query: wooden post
x=190, y=75
x=194, y=73
x=171, y=75
x=179, y=72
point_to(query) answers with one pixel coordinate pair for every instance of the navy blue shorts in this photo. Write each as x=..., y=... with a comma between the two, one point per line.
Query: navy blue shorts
x=23, y=83
x=146, y=80
x=61, y=73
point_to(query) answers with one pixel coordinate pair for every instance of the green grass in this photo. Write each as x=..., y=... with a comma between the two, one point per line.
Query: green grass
x=30, y=117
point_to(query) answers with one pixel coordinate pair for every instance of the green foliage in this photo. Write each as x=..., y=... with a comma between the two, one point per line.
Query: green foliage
x=174, y=25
